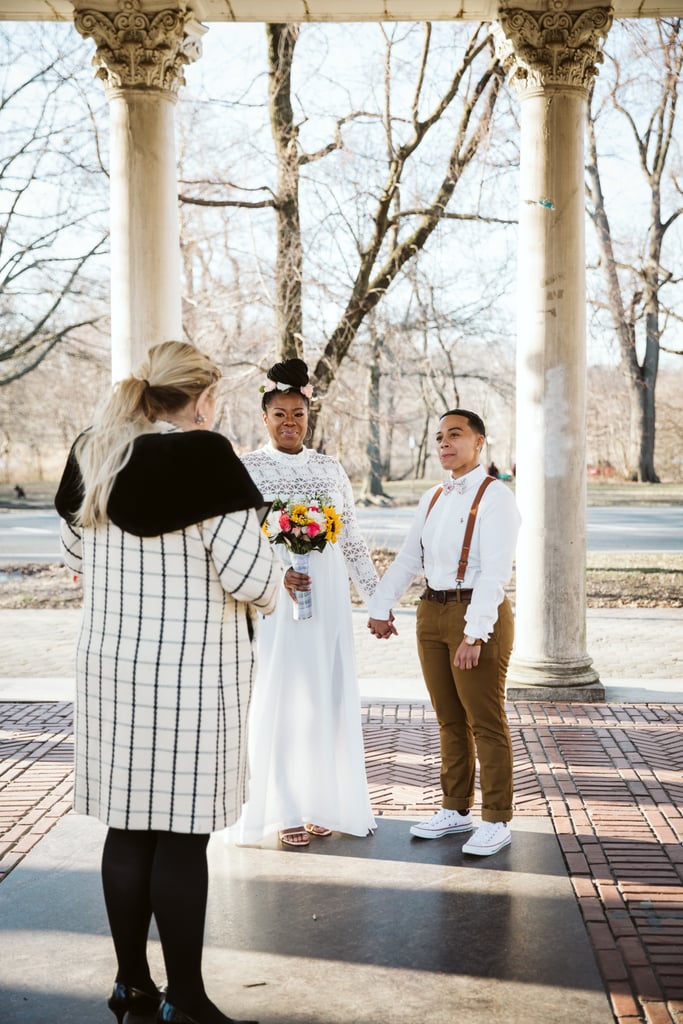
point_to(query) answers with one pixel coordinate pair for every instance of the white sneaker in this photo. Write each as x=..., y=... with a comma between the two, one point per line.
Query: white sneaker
x=443, y=823
x=490, y=837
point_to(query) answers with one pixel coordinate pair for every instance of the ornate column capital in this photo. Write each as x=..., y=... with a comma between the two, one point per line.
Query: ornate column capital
x=138, y=50
x=552, y=48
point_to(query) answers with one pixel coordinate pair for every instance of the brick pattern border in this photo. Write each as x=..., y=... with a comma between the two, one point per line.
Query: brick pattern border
x=36, y=766
x=610, y=777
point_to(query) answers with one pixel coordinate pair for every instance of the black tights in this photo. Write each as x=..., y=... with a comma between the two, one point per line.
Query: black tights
x=165, y=874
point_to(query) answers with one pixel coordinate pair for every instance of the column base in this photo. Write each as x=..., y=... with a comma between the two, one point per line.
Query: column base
x=563, y=682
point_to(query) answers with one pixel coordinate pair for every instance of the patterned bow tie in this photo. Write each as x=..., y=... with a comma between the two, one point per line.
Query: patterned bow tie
x=459, y=485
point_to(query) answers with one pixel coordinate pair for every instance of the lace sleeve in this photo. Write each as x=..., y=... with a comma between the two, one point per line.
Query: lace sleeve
x=354, y=549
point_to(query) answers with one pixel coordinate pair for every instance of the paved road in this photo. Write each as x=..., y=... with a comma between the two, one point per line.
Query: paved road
x=635, y=529
x=656, y=528
x=29, y=537
x=33, y=536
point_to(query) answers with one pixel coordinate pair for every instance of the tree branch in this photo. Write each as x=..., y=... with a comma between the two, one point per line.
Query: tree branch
x=244, y=204
x=367, y=292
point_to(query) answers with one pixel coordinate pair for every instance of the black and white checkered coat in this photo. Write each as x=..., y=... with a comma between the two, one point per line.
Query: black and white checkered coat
x=165, y=662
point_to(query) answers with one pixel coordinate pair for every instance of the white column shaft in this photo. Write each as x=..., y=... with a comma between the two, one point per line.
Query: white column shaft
x=145, y=243
x=550, y=645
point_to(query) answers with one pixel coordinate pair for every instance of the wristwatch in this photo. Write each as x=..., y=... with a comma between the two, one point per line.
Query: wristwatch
x=472, y=641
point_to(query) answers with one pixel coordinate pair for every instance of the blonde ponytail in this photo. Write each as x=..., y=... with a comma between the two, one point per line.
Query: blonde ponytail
x=173, y=375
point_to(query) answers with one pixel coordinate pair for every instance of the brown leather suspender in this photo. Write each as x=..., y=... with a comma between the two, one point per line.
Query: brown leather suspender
x=435, y=496
x=469, y=529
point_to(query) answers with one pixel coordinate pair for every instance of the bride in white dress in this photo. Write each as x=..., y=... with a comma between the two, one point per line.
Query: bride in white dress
x=306, y=756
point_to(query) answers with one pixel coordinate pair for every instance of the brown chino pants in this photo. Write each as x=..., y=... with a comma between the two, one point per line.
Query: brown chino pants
x=470, y=707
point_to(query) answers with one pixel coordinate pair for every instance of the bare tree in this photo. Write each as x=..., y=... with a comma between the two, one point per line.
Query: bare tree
x=640, y=286
x=608, y=409
x=373, y=490
x=421, y=366
x=399, y=232
x=391, y=232
x=53, y=198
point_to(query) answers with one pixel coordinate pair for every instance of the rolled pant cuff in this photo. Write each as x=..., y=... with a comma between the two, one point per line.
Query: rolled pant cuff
x=451, y=803
x=494, y=816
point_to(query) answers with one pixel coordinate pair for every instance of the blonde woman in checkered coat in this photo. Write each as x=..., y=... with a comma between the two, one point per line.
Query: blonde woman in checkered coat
x=159, y=520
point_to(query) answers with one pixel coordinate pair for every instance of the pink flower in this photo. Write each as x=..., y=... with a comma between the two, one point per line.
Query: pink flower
x=312, y=529
x=285, y=523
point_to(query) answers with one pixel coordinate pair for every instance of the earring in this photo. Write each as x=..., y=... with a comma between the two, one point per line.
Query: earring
x=200, y=418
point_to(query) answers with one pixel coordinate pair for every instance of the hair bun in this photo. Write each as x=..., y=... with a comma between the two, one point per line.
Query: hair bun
x=292, y=372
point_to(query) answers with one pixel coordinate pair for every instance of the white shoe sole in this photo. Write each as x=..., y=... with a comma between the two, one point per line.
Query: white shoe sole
x=486, y=851
x=423, y=833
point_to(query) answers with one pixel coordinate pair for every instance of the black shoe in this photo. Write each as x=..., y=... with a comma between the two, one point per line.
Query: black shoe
x=126, y=999
x=172, y=1015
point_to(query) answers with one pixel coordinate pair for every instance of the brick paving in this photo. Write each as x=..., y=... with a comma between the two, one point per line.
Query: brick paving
x=609, y=776
x=36, y=762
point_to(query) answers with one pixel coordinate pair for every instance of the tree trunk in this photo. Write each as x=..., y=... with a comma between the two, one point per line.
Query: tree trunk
x=289, y=262
x=389, y=438
x=422, y=452
x=648, y=383
x=646, y=403
x=624, y=326
x=372, y=491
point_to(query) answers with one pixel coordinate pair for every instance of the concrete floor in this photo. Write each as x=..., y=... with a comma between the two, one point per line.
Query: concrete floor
x=383, y=930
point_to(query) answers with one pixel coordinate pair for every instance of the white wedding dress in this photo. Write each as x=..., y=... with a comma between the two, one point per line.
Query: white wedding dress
x=306, y=756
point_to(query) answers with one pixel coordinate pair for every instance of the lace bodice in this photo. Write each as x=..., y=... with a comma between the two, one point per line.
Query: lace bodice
x=278, y=475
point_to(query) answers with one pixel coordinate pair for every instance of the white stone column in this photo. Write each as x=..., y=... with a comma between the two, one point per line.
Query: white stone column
x=552, y=57
x=140, y=57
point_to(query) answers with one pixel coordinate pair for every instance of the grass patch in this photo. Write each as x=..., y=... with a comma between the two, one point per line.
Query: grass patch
x=635, y=561
x=605, y=493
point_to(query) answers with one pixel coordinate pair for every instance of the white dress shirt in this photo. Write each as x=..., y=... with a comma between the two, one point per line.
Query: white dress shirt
x=440, y=539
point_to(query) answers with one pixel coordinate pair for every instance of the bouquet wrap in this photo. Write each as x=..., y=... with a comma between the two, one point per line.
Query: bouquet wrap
x=303, y=609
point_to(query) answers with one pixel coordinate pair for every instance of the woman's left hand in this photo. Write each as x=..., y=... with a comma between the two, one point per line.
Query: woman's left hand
x=294, y=581
x=467, y=655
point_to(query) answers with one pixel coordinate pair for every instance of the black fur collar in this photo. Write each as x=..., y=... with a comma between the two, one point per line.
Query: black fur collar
x=171, y=481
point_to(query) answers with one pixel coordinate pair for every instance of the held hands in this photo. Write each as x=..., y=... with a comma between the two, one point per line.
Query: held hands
x=383, y=629
x=294, y=580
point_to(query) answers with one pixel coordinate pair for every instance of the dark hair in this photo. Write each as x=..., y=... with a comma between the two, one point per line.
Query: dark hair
x=474, y=420
x=293, y=373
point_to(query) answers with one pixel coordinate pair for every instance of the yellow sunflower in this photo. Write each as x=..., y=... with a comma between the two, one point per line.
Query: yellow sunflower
x=334, y=523
x=299, y=515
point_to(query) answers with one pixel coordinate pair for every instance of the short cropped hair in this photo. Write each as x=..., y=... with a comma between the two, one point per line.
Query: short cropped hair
x=473, y=418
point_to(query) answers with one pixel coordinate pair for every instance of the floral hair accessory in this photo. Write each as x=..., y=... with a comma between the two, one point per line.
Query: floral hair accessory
x=270, y=385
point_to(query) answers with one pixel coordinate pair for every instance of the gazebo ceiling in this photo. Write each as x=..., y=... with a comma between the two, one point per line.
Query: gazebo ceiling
x=329, y=10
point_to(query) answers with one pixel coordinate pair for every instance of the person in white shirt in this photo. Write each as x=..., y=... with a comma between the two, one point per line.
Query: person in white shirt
x=464, y=631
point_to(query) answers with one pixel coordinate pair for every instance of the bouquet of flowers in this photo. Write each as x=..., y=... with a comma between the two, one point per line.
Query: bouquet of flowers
x=303, y=525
